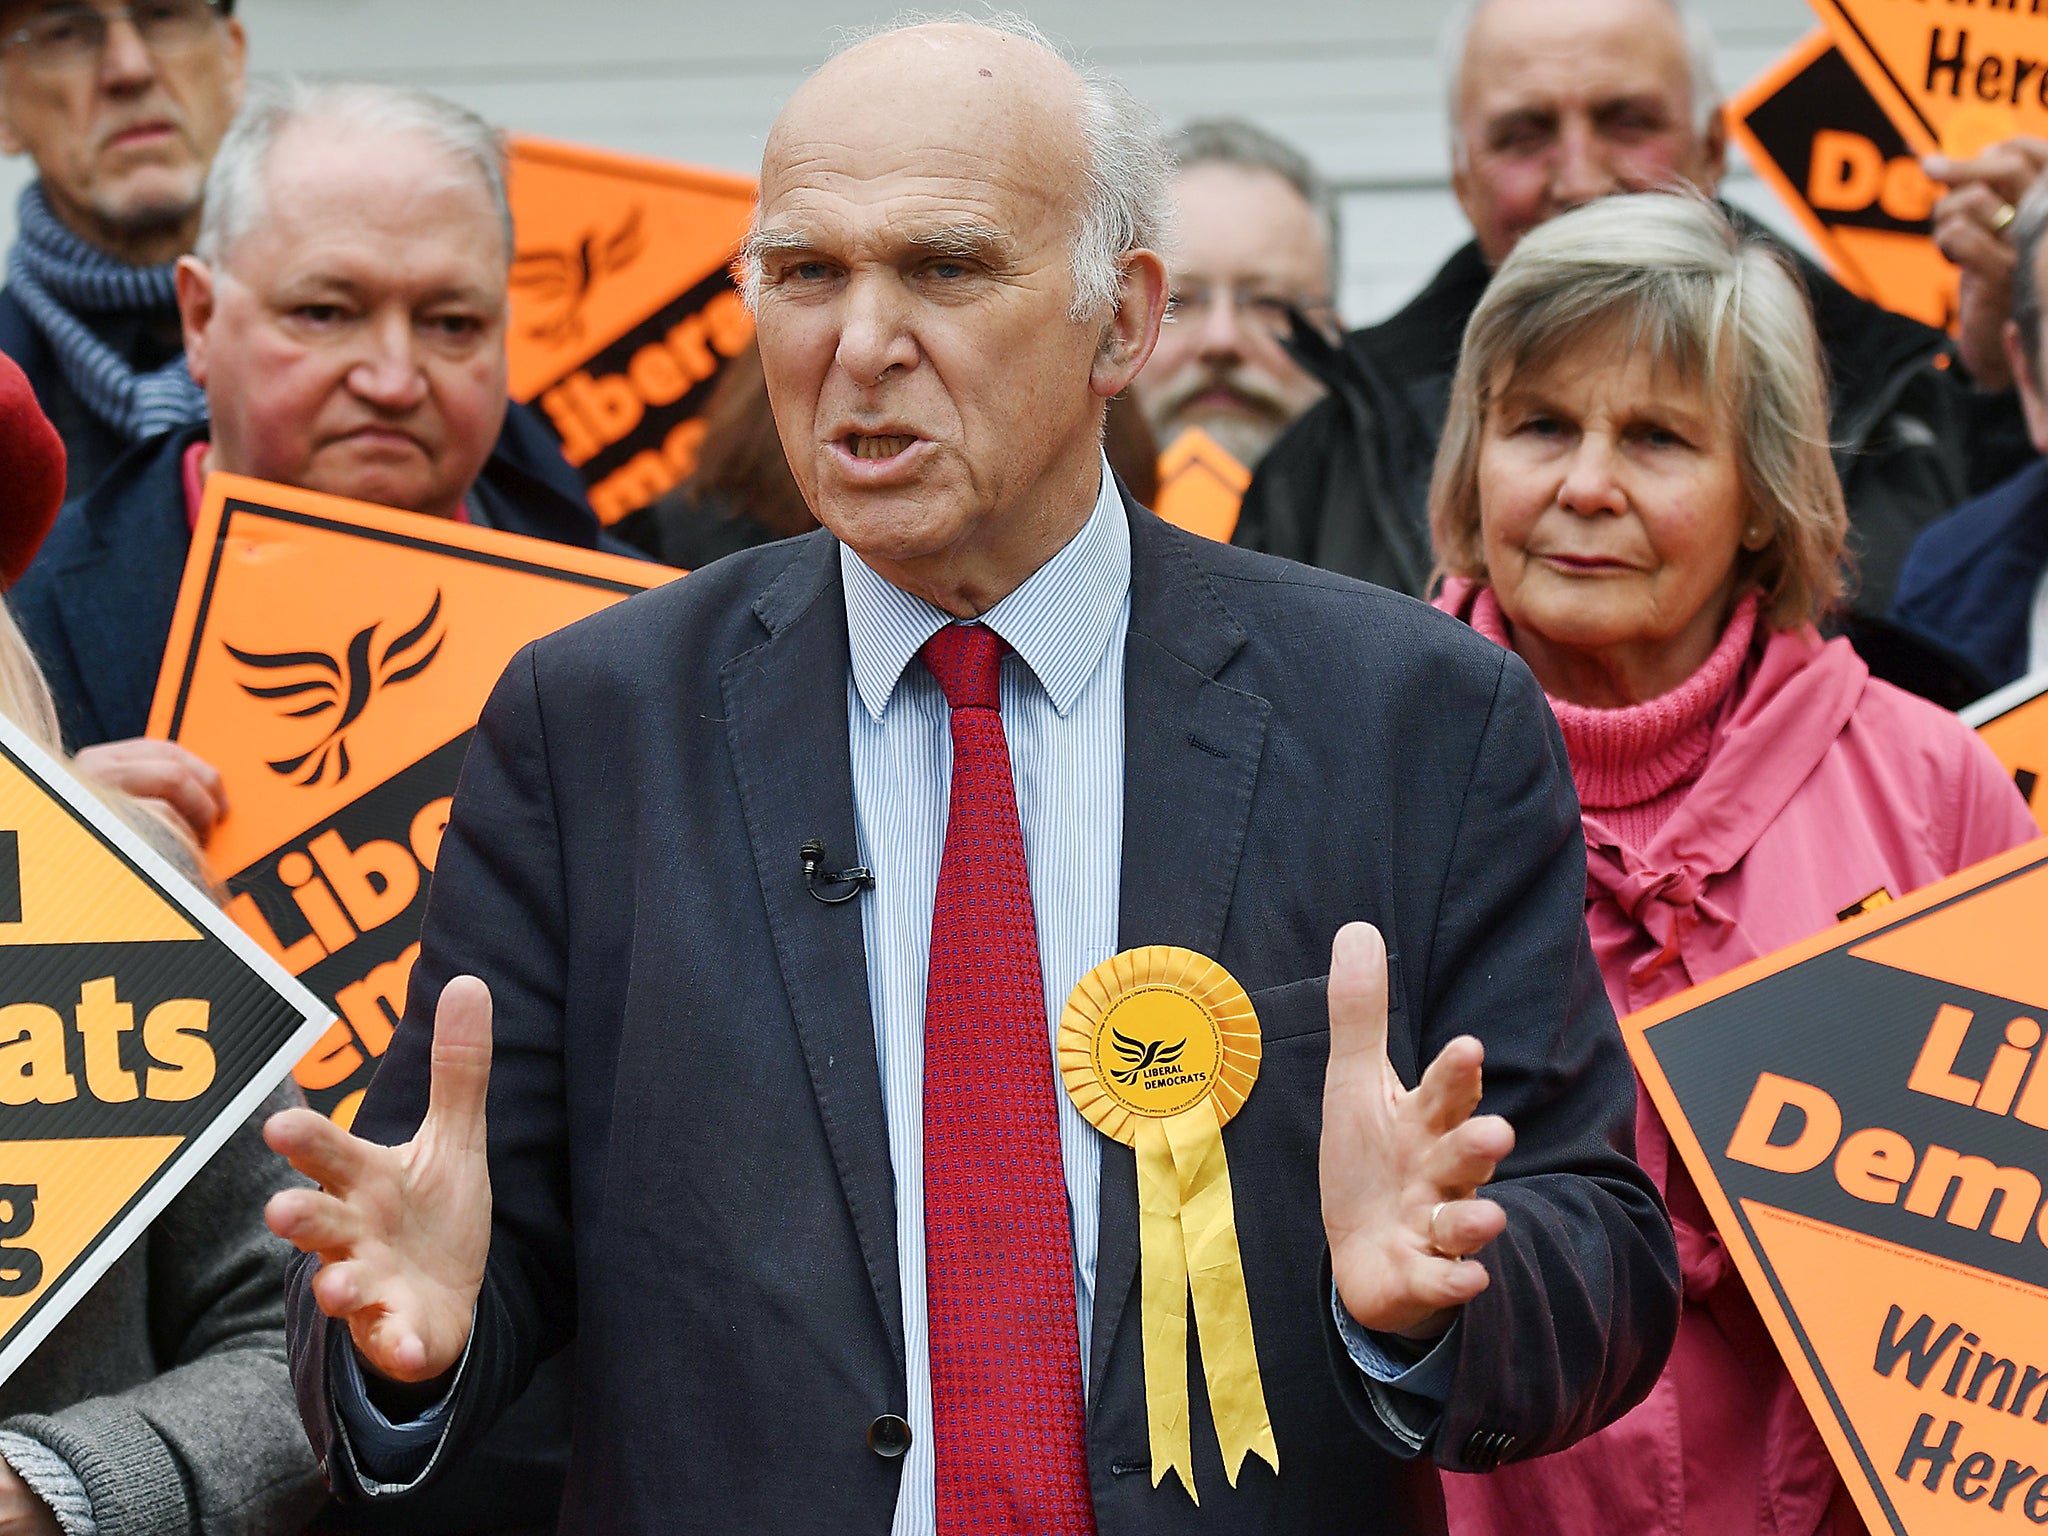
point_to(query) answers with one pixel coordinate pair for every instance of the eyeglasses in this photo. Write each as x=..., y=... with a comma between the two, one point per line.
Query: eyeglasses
x=65, y=38
x=1258, y=309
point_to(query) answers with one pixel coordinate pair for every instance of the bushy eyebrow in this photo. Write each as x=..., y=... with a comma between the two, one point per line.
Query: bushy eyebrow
x=966, y=242
x=760, y=242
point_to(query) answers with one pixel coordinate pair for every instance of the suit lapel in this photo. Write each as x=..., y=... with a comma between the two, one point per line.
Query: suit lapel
x=786, y=722
x=1191, y=757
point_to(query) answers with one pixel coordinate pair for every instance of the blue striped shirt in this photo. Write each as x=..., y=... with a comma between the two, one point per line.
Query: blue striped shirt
x=1063, y=712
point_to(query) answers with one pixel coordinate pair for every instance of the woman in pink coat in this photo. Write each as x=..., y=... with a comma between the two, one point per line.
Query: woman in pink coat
x=1635, y=493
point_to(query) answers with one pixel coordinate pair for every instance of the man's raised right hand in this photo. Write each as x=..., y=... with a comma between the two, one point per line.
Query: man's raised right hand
x=402, y=1232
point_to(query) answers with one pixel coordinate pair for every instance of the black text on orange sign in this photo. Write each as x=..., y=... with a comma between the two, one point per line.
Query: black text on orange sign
x=627, y=418
x=1880, y=1166
x=1965, y=72
x=340, y=906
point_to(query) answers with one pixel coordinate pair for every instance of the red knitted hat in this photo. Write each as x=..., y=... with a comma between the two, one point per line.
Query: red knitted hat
x=31, y=473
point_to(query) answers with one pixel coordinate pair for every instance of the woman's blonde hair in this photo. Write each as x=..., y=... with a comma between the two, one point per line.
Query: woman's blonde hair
x=1666, y=271
x=26, y=702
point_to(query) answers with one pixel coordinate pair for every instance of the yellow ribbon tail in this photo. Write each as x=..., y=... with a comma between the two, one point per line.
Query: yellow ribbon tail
x=1215, y=1269
x=1163, y=1306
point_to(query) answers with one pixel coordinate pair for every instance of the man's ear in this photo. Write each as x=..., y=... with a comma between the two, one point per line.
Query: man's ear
x=1133, y=328
x=1714, y=152
x=196, y=298
x=238, y=57
x=11, y=143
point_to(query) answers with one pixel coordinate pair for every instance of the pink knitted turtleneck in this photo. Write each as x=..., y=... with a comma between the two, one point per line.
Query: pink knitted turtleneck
x=1634, y=765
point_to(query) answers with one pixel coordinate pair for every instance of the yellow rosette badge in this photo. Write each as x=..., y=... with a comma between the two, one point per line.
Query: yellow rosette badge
x=1159, y=1048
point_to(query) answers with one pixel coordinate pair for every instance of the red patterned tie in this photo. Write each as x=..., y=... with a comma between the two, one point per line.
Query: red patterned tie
x=1007, y=1420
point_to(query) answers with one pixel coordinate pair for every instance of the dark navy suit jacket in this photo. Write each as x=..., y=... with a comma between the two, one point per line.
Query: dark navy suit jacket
x=96, y=605
x=689, y=1158
x=1969, y=582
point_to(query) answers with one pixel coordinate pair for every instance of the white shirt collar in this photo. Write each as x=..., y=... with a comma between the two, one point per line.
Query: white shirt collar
x=1058, y=621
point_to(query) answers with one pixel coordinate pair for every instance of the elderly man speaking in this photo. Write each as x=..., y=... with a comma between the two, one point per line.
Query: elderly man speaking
x=763, y=895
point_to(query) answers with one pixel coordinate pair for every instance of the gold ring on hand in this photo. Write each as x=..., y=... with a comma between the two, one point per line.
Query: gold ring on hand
x=2005, y=215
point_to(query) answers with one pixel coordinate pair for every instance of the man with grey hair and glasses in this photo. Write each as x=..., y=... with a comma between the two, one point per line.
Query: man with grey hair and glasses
x=1553, y=104
x=1257, y=244
x=121, y=107
x=730, y=1046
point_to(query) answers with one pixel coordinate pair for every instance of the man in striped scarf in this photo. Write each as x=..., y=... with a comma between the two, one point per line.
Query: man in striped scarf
x=121, y=107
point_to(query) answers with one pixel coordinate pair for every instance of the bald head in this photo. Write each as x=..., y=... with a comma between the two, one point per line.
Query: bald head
x=977, y=88
x=953, y=84
x=952, y=270
x=1555, y=105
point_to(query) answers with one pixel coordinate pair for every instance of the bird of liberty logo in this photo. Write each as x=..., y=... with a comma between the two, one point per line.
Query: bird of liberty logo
x=1143, y=1055
x=313, y=685
x=569, y=277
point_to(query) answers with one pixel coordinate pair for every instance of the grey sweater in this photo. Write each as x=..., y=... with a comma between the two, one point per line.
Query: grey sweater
x=166, y=1390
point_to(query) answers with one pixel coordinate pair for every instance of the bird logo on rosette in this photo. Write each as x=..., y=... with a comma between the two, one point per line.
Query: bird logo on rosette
x=570, y=277
x=316, y=685
x=1143, y=1054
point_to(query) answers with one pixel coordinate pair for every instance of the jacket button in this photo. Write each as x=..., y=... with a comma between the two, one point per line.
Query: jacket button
x=889, y=1436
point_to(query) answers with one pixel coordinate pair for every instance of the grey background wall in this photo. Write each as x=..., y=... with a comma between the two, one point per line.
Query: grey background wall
x=1358, y=84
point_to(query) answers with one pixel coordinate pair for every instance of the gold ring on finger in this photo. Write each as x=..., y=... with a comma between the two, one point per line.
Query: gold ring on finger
x=1435, y=1242
x=2005, y=215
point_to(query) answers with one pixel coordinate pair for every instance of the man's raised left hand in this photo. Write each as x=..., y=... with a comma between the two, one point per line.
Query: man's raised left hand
x=1400, y=1167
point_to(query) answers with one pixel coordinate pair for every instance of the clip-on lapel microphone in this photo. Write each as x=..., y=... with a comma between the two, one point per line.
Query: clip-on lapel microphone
x=830, y=888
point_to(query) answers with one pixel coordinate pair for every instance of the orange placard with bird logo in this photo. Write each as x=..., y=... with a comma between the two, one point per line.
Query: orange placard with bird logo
x=623, y=309
x=330, y=659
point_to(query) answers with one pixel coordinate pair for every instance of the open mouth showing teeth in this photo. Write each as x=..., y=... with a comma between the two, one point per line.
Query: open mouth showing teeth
x=863, y=447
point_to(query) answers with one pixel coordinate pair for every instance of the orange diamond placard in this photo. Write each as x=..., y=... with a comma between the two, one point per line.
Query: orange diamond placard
x=623, y=309
x=138, y=1030
x=1955, y=76
x=1818, y=138
x=1866, y=1117
x=330, y=659
x=2014, y=725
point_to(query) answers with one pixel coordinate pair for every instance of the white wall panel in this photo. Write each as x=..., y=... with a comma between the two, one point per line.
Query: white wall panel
x=1356, y=83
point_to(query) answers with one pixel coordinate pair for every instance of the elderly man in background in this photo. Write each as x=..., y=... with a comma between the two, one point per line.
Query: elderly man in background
x=345, y=310
x=346, y=313
x=1554, y=105
x=839, y=1252
x=1257, y=243
x=121, y=108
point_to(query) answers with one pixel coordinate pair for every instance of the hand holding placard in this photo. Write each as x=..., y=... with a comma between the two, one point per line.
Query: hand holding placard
x=1970, y=228
x=402, y=1232
x=162, y=771
x=1400, y=1167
